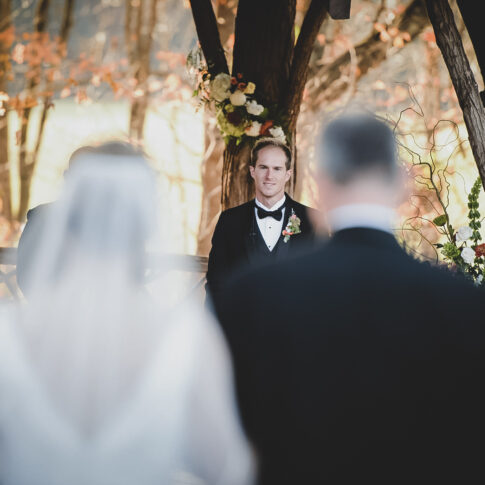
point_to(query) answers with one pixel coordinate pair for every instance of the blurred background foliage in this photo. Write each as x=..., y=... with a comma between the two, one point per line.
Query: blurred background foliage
x=74, y=72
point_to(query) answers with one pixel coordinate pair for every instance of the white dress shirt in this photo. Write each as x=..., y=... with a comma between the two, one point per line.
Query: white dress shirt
x=270, y=228
x=373, y=216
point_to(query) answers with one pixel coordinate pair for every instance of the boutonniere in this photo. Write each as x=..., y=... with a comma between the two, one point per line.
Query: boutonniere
x=293, y=226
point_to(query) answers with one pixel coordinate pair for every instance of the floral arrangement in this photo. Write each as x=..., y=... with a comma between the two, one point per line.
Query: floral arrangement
x=293, y=226
x=463, y=248
x=239, y=111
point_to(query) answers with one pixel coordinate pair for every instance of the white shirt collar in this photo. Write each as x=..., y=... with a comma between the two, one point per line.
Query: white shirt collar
x=275, y=206
x=373, y=216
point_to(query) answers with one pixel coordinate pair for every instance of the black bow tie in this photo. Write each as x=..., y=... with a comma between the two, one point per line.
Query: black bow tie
x=276, y=214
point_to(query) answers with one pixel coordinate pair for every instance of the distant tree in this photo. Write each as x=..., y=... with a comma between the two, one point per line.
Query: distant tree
x=140, y=20
x=6, y=38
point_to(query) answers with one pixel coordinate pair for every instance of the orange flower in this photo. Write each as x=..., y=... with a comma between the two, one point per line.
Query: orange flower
x=241, y=86
x=233, y=80
x=239, y=75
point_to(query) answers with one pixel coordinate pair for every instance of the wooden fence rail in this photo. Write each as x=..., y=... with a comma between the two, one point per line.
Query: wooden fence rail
x=173, y=262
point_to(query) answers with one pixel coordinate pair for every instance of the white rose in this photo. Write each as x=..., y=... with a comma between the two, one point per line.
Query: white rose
x=463, y=233
x=468, y=255
x=220, y=87
x=238, y=98
x=254, y=129
x=479, y=279
x=253, y=108
x=277, y=132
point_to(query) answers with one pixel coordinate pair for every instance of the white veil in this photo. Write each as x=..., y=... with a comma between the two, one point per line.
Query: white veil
x=114, y=363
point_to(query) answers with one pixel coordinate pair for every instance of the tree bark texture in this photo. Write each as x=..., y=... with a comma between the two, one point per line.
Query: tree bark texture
x=5, y=188
x=474, y=25
x=449, y=41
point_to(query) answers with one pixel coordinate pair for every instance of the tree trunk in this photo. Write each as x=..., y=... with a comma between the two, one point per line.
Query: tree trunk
x=211, y=170
x=451, y=46
x=140, y=23
x=264, y=54
x=5, y=188
x=474, y=25
x=46, y=103
x=26, y=160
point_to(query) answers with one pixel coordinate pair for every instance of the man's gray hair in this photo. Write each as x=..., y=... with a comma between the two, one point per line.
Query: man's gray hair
x=353, y=145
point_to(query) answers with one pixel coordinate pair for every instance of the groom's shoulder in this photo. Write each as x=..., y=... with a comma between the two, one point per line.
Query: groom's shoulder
x=236, y=211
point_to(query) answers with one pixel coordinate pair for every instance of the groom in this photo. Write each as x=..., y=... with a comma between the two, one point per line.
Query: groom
x=270, y=227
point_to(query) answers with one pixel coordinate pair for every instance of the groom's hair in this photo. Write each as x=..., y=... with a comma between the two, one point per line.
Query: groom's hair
x=356, y=145
x=270, y=142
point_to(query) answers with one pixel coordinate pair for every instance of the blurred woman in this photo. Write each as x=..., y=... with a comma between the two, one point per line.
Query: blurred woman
x=102, y=382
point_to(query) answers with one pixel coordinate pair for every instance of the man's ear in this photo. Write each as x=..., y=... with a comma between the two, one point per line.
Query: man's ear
x=288, y=175
x=251, y=171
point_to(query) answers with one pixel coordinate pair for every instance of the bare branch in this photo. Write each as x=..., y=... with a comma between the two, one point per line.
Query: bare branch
x=314, y=18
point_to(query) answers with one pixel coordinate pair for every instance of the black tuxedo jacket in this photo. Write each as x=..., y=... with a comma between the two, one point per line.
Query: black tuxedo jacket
x=356, y=363
x=235, y=240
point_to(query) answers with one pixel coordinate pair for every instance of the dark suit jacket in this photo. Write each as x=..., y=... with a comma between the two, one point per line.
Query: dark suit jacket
x=234, y=239
x=357, y=364
x=31, y=233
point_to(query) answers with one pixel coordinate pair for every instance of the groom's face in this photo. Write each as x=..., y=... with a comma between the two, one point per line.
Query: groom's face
x=269, y=173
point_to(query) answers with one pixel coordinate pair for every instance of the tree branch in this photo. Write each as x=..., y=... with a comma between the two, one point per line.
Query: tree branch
x=208, y=34
x=66, y=20
x=314, y=18
x=449, y=41
x=368, y=54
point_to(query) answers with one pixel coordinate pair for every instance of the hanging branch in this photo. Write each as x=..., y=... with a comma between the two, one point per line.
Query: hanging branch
x=208, y=34
x=449, y=41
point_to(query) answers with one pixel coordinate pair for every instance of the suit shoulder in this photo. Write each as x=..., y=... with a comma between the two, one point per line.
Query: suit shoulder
x=237, y=210
x=37, y=210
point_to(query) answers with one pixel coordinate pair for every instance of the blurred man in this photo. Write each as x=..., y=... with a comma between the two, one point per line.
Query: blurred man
x=35, y=216
x=269, y=227
x=356, y=363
